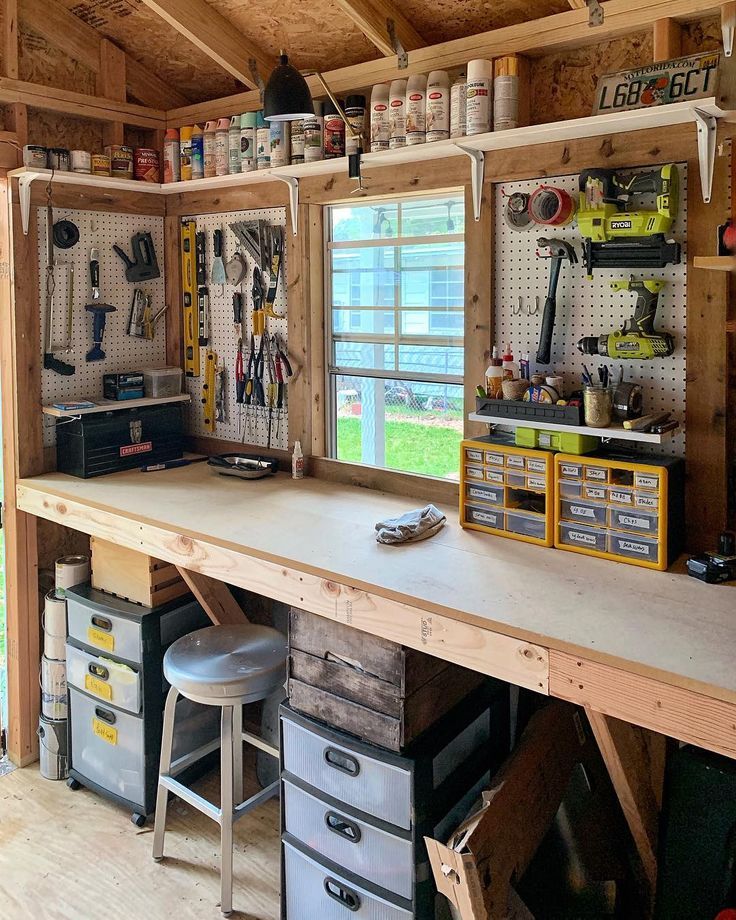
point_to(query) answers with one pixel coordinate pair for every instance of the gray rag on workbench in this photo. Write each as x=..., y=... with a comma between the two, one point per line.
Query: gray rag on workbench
x=412, y=526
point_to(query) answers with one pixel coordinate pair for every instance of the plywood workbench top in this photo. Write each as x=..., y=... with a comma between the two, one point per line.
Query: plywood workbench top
x=657, y=624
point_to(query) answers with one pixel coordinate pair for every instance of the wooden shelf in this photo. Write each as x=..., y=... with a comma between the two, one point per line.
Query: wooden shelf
x=715, y=263
x=110, y=405
x=616, y=432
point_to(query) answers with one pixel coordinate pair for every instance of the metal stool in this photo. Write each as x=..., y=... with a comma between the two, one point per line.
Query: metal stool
x=223, y=666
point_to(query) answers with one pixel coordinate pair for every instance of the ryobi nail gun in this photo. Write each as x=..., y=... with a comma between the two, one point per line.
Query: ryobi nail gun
x=619, y=236
x=637, y=339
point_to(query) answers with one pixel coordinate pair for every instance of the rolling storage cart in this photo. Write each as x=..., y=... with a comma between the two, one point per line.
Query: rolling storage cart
x=116, y=694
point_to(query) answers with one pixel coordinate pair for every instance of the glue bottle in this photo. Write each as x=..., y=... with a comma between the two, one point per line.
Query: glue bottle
x=510, y=370
x=297, y=462
x=494, y=376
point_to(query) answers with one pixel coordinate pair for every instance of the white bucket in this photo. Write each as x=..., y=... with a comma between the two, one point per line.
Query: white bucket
x=70, y=571
x=54, y=627
x=53, y=688
x=52, y=750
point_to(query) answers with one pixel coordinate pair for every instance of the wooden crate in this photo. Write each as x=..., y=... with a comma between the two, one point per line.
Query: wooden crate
x=134, y=576
x=373, y=688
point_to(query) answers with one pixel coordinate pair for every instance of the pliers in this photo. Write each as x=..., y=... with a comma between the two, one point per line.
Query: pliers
x=259, y=316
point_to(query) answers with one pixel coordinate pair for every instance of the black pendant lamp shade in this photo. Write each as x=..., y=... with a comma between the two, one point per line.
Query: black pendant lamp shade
x=287, y=96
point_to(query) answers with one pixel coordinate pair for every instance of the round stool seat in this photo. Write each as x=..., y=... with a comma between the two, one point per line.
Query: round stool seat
x=224, y=663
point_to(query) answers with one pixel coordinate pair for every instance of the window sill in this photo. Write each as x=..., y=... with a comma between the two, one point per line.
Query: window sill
x=415, y=485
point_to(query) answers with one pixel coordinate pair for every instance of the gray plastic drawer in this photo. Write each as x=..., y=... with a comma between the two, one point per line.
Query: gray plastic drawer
x=584, y=537
x=487, y=517
x=473, y=455
x=570, y=489
x=474, y=472
x=594, y=493
x=527, y=525
x=635, y=520
x=485, y=493
x=536, y=464
x=646, y=480
x=314, y=893
x=571, y=470
x=583, y=512
x=377, y=788
x=103, y=678
x=633, y=546
x=649, y=501
x=100, y=628
x=366, y=850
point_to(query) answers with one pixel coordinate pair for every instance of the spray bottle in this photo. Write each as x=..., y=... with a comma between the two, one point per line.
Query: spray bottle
x=233, y=145
x=416, y=110
x=380, y=128
x=297, y=462
x=458, y=107
x=438, y=106
x=263, y=142
x=185, y=153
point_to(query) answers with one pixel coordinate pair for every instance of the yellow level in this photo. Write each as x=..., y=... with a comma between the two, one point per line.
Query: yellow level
x=189, y=298
x=208, y=389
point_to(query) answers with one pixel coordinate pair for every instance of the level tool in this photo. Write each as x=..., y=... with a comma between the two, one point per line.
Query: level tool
x=209, y=389
x=189, y=298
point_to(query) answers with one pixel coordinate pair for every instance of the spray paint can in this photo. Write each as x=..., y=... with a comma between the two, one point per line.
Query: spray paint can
x=53, y=688
x=70, y=571
x=397, y=114
x=313, y=134
x=52, y=748
x=222, y=147
x=210, y=129
x=263, y=142
x=458, y=107
x=185, y=153
x=380, y=128
x=355, y=113
x=416, y=110
x=438, y=106
x=334, y=131
x=233, y=145
x=278, y=132
x=197, y=152
x=297, y=141
x=247, y=142
x=54, y=627
x=478, y=95
x=506, y=93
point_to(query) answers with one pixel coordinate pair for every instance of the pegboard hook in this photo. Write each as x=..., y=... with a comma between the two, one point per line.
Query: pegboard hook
x=707, y=128
x=477, y=170
x=293, y=184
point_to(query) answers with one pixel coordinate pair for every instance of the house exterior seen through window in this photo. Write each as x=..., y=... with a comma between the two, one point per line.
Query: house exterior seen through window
x=395, y=320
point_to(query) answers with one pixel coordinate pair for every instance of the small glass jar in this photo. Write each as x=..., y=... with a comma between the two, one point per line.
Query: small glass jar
x=598, y=404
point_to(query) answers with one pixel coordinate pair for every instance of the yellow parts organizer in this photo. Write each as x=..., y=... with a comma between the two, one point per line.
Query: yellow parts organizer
x=189, y=298
x=507, y=490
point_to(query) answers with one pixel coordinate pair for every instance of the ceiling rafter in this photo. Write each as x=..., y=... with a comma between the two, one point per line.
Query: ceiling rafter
x=371, y=17
x=82, y=42
x=215, y=35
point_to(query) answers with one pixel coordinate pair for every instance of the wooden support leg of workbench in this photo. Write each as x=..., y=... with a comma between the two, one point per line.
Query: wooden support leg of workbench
x=635, y=761
x=216, y=598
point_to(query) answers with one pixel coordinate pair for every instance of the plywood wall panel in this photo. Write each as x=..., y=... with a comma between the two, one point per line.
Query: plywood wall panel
x=54, y=130
x=442, y=20
x=702, y=35
x=41, y=62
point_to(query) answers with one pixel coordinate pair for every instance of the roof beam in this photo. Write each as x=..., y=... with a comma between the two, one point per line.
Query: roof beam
x=82, y=43
x=539, y=36
x=215, y=35
x=371, y=17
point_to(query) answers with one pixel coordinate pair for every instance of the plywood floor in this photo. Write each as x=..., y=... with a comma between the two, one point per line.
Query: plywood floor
x=74, y=856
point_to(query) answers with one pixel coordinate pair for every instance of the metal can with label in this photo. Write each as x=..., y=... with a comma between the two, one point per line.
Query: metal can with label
x=58, y=158
x=146, y=165
x=81, y=161
x=121, y=160
x=35, y=156
x=100, y=164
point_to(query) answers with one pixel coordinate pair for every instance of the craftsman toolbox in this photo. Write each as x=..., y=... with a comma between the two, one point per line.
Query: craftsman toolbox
x=108, y=442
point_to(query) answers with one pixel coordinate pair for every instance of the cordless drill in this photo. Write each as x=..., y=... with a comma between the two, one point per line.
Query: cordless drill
x=638, y=339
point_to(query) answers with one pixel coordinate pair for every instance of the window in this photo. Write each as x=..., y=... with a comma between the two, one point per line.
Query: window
x=395, y=320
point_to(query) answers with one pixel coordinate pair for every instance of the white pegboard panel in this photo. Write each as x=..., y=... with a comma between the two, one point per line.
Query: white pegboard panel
x=587, y=307
x=224, y=340
x=123, y=352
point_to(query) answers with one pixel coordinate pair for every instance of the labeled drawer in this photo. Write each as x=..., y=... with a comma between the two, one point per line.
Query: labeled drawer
x=312, y=891
x=536, y=483
x=570, y=489
x=619, y=495
x=633, y=546
x=646, y=480
x=487, y=517
x=473, y=455
x=646, y=500
x=536, y=464
x=585, y=512
x=474, y=472
x=571, y=470
x=494, y=458
x=594, y=493
x=528, y=525
x=103, y=629
x=596, y=473
x=516, y=479
x=588, y=538
x=634, y=519
x=494, y=475
x=374, y=786
x=485, y=493
x=515, y=461
x=104, y=679
x=362, y=848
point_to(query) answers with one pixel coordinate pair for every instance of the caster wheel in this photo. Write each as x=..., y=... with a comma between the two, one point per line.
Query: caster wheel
x=73, y=784
x=138, y=820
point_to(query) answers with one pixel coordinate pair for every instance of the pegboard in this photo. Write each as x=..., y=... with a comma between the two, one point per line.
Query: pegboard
x=587, y=307
x=224, y=342
x=99, y=230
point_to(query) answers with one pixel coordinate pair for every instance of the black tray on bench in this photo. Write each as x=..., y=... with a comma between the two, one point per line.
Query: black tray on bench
x=520, y=411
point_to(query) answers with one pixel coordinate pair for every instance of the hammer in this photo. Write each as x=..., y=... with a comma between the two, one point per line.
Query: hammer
x=557, y=251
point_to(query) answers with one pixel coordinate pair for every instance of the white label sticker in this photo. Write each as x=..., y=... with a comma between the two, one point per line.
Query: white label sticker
x=582, y=511
x=595, y=492
x=569, y=470
x=647, y=482
x=639, y=523
x=595, y=473
x=641, y=548
x=622, y=498
x=495, y=459
x=587, y=539
x=472, y=473
x=515, y=460
x=647, y=501
x=536, y=466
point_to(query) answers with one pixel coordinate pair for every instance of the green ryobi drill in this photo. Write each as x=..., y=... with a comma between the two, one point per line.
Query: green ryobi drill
x=638, y=339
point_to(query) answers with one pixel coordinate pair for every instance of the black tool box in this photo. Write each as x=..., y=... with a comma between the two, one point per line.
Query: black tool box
x=123, y=439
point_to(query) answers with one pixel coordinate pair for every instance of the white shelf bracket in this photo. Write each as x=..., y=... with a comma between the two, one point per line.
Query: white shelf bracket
x=707, y=128
x=24, y=194
x=728, y=22
x=293, y=184
x=477, y=171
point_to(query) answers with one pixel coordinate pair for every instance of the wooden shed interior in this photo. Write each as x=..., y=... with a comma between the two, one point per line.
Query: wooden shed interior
x=540, y=684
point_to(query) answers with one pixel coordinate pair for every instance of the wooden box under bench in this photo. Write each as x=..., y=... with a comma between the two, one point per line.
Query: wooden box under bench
x=134, y=576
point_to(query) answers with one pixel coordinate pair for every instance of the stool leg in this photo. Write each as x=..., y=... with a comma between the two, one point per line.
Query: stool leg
x=238, y=753
x=162, y=793
x=226, y=806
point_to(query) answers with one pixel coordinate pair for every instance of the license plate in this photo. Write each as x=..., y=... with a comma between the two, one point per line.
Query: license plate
x=107, y=732
x=98, y=687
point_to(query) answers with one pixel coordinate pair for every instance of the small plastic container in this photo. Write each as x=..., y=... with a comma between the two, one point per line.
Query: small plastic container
x=570, y=489
x=634, y=547
x=535, y=465
x=595, y=493
x=527, y=525
x=571, y=470
x=485, y=493
x=485, y=517
x=587, y=538
x=634, y=520
x=620, y=495
x=160, y=382
x=475, y=456
x=494, y=459
x=474, y=472
x=584, y=512
x=495, y=476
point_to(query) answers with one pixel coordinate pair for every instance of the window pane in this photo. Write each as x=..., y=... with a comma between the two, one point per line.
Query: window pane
x=439, y=216
x=432, y=322
x=431, y=359
x=428, y=255
x=436, y=287
x=368, y=357
x=380, y=322
x=364, y=222
x=411, y=426
x=367, y=257
x=363, y=289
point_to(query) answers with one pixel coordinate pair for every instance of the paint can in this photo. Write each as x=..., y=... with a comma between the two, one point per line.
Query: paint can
x=438, y=106
x=70, y=571
x=210, y=129
x=313, y=134
x=233, y=145
x=197, y=152
x=278, y=135
x=121, y=160
x=248, y=142
x=222, y=152
x=185, y=153
x=53, y=748
x=355, y=113
x=506, y=93
x=458, y=107
x=334, y=131
x=58, y=159
x=478, y=95
x=145, y=164
x=416, y=110
x=100, y=164
x=297, y=141
x=35, y=156
x=263, y=142
x=172, y=165
x=81, y=161
x=53, y=688
x=54, y=627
